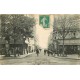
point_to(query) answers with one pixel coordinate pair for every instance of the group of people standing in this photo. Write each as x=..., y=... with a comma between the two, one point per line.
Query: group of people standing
x=56, y=52
x=48, y=52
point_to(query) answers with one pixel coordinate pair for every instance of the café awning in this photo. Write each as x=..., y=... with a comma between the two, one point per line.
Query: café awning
x=69, y=42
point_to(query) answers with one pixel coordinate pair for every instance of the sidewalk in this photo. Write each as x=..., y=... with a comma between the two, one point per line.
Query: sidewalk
x=73, y=56
x=17, y=57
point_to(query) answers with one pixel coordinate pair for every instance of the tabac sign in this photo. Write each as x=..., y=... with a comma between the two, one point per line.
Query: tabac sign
x=44, y=21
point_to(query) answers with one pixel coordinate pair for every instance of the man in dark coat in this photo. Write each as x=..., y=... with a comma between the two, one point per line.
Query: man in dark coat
x=37, y=52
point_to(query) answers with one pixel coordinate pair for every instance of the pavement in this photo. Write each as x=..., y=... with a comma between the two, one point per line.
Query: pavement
x=17, y=57
x=33, y=59
x=73, y=56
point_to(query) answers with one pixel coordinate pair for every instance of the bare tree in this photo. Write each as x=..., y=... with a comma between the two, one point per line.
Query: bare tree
x=63, y=24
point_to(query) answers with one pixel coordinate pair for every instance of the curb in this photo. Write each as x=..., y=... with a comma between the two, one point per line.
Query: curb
x=18, y=57
x=23, y=56
x=67, y=58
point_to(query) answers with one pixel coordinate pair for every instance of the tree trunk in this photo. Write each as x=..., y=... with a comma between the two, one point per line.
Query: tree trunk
x=63, y=54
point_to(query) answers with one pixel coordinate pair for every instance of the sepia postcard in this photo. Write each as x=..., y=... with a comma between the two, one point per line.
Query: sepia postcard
x=39, y=39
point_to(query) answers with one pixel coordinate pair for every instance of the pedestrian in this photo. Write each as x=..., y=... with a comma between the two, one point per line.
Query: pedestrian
x=37, y=52
x=78, y=51
x=48, y=52
x=40, y=50
x=7, y=49
x=44, y=52
x=27, y=51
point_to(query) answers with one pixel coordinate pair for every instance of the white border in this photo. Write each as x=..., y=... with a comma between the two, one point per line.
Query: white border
x=39, y=6
x=40, y=72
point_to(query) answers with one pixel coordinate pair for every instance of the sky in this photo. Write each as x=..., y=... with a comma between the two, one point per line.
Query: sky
x=43, y=35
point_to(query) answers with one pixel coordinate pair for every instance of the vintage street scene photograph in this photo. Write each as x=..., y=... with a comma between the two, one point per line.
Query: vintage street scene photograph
x=39, y=39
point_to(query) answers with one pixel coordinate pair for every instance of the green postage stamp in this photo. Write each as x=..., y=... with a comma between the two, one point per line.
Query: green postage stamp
x=44, y=20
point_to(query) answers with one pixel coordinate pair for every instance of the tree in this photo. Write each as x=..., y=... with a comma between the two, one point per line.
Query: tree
x=17, y=27
x=63, y=24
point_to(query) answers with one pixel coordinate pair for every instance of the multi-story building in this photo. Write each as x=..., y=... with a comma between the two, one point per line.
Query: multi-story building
x=68, y=37
x=71, y=41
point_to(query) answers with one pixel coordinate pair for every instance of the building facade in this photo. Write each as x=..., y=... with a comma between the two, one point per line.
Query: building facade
x=67, y=34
